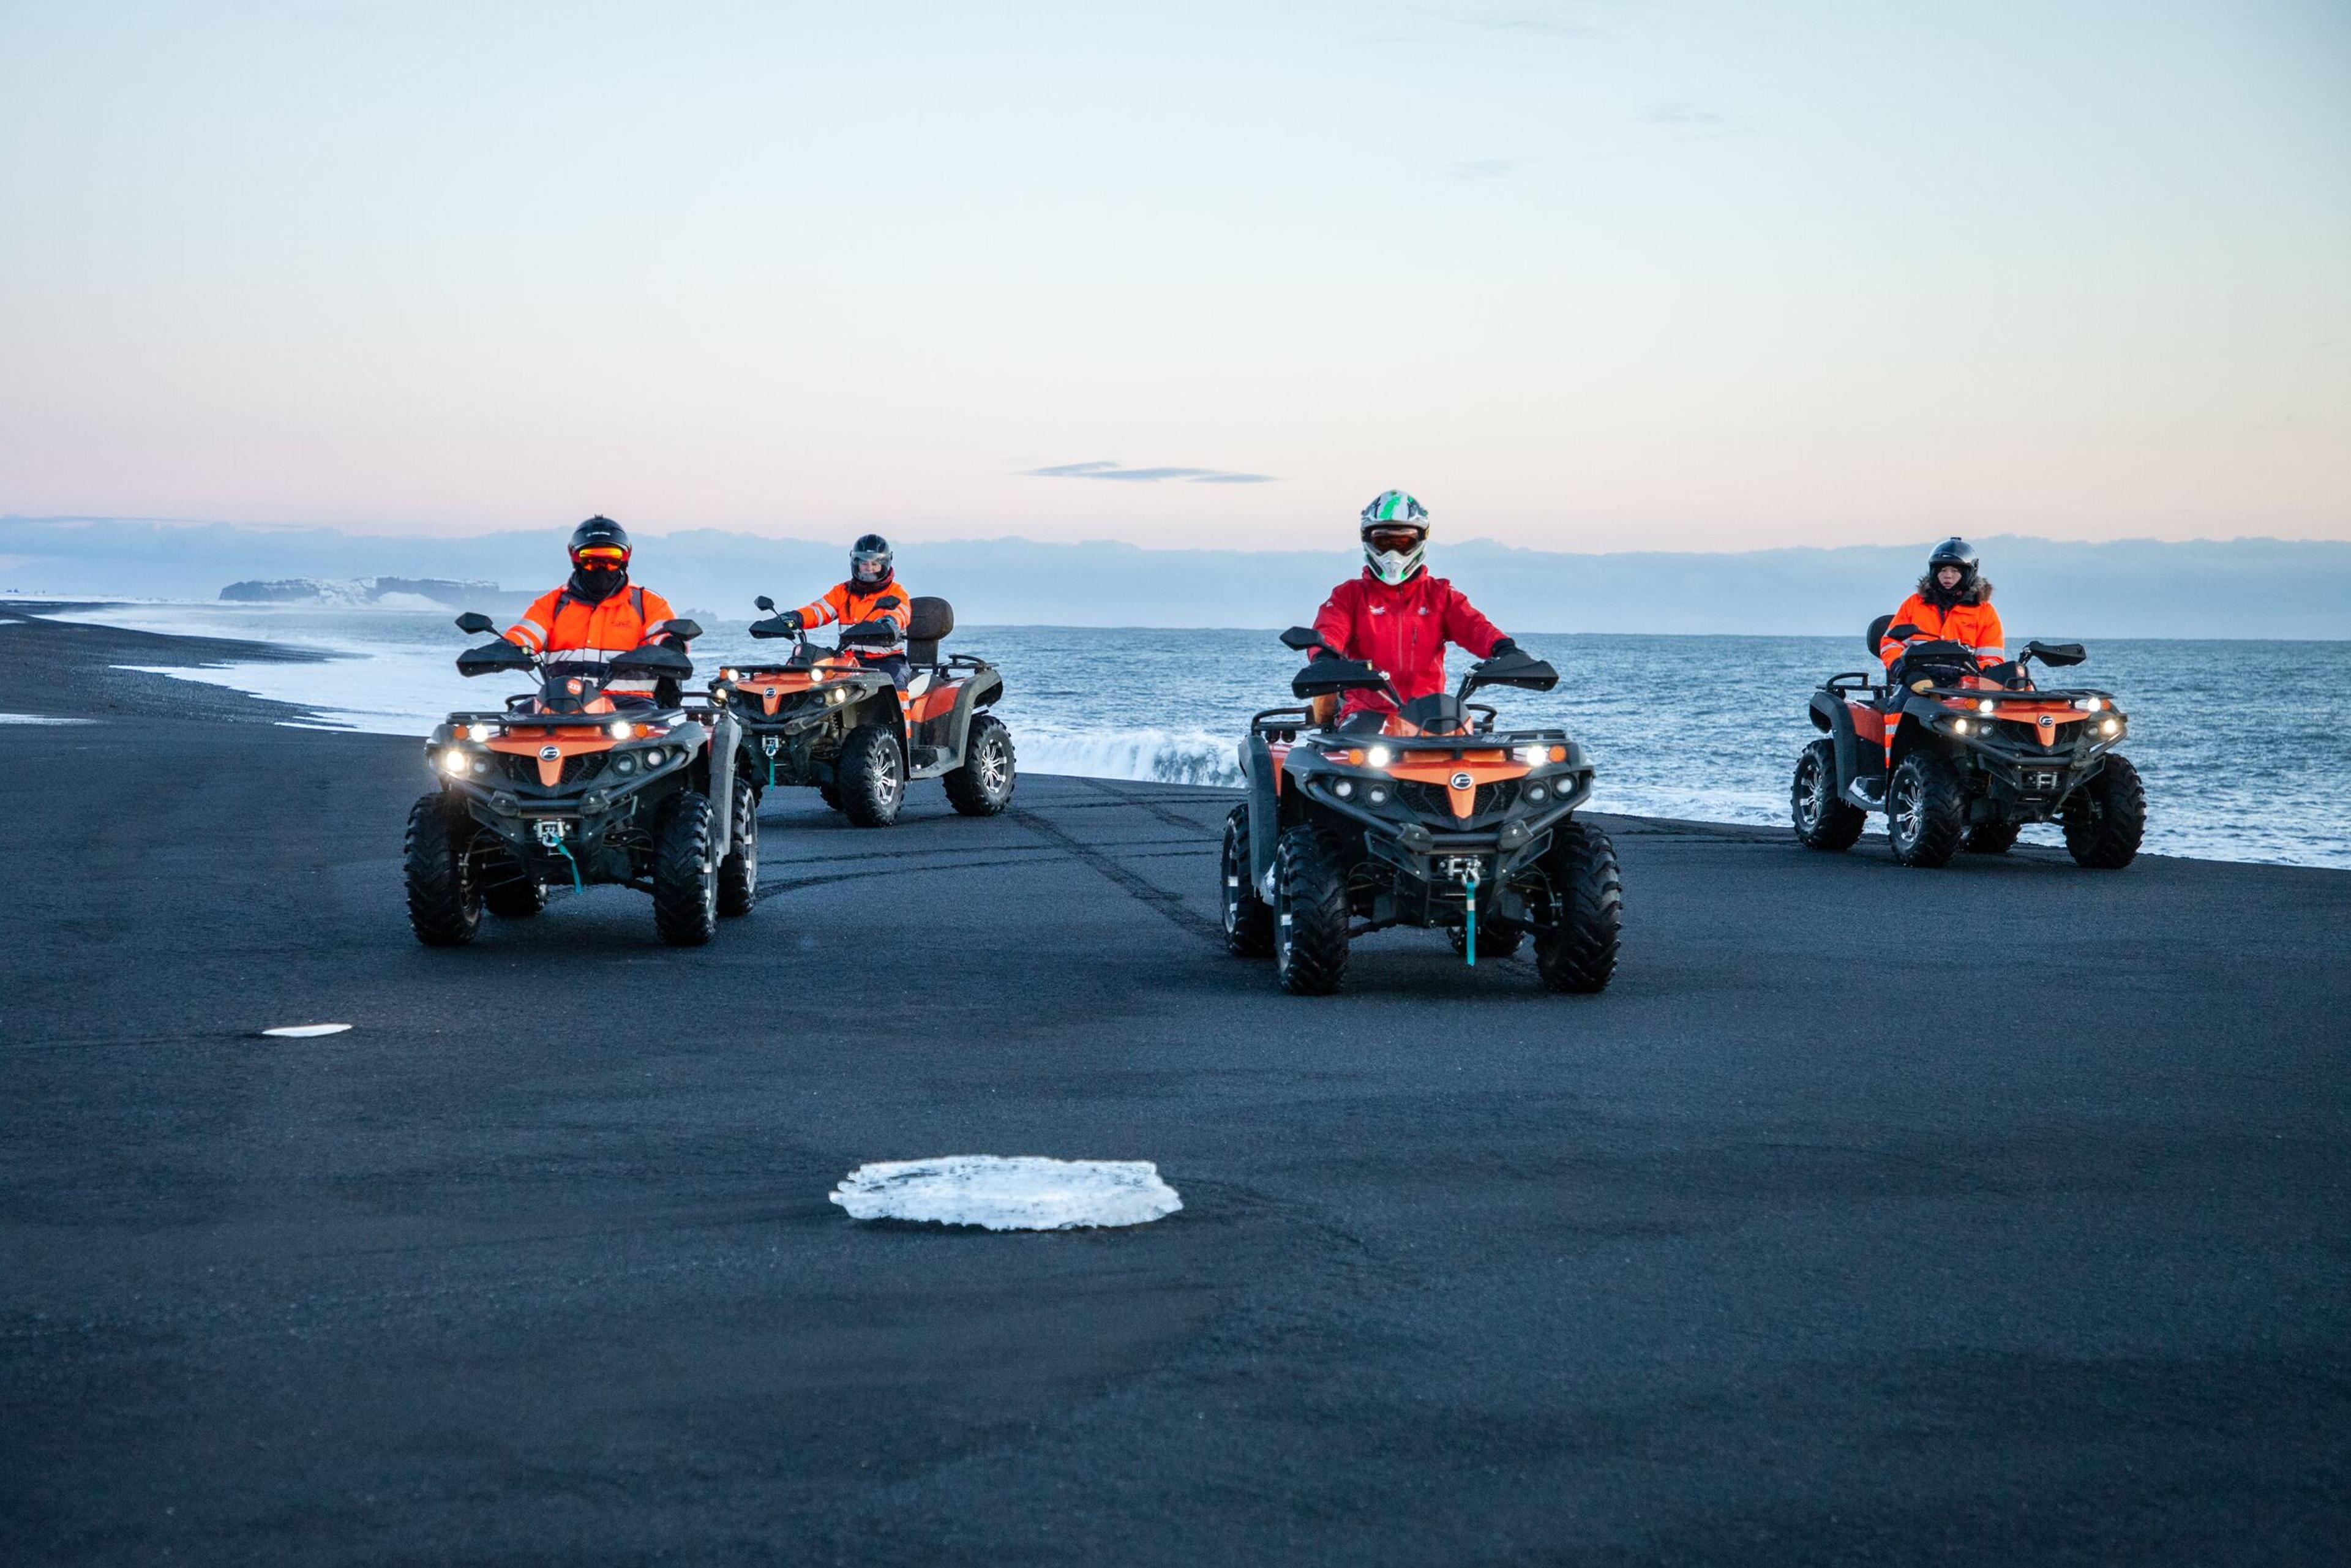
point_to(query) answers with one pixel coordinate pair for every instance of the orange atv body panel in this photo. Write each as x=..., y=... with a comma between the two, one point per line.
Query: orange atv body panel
x=935, y=703
x=567, y=741
x=1484, y=766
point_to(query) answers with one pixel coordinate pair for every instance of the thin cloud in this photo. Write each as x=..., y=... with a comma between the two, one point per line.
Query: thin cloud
x=1104, y=470
x=1483, y=169
x=1692, y=120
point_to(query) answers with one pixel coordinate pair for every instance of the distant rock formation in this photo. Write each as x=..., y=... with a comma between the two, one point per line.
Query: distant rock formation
x=379, y=592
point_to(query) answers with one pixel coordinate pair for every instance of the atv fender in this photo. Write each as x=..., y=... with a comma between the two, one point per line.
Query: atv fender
x=718, y=765
x=980, y=690
x=1829, y=715
x=1260, y=779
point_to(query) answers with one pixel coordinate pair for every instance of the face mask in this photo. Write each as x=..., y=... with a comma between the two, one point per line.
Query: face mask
x=597, y=583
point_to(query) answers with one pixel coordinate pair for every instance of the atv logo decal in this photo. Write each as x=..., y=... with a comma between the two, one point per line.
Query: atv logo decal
x=1463, y=781
x=550, y=754
x=2048, y=730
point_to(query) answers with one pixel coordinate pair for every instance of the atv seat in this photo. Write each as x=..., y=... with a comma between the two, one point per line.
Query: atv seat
x=928, y=622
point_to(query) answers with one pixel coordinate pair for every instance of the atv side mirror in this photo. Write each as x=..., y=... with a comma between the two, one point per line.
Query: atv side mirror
x=773, y=626
x=477, y=622
x=2056, y=654
x=763, y=602
x=1299, y=638
x=876, y=633
x=651, y=661
x=684, y=630
x=1325, y=676
x=491, y=657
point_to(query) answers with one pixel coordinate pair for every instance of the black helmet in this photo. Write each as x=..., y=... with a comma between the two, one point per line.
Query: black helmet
x=869, y=560
x=598, y=532
x=1954, y=551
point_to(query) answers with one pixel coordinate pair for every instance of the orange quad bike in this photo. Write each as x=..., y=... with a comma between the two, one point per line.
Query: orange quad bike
x=1961, y=757
x=573, y=786
x=1430, y=816
x=824, y=718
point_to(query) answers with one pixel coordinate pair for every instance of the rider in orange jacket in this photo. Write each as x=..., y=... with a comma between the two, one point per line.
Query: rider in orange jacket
x=1398, y=616
x=596, y=615
x=871, y=593
x=1953, y=604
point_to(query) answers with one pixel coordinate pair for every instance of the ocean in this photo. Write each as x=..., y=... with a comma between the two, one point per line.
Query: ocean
x=2242, y=743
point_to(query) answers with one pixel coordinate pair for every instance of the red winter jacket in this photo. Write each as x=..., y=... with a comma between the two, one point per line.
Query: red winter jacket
x=1402, y=630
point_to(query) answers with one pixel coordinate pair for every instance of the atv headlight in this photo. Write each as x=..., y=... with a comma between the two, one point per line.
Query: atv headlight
x=1535, y=756
x=1537, y=792
x=1345, y=788
x=1985, y=705
x=1378, y=755
x=1960, y=726
x=2112, y=726
x=477, y=732
x=624, y=765
x=618, y=729
x=2092, y=705
x=653, y=759
x=1378, y=797
x=454, y=762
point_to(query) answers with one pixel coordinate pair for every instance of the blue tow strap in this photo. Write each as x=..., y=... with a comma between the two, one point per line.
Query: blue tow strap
x=1469, y=941
x=565, y=850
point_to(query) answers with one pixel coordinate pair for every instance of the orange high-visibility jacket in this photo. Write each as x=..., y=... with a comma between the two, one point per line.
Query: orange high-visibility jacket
x=1977, y=625
x=850, y=603
x=561, y=621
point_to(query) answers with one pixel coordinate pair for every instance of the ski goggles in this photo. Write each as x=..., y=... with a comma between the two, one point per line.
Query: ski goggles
x=601, y=555
x=1395, y=541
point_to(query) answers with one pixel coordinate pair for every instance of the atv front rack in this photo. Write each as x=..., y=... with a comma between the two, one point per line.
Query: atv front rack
x=1855, y=682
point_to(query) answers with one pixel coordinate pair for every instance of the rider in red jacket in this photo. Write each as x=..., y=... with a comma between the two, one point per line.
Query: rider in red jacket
x=1396, y=615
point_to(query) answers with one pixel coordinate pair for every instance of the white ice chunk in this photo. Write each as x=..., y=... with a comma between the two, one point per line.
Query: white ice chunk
x=305, y=1031
x=1025, y=1192
x=37, y=718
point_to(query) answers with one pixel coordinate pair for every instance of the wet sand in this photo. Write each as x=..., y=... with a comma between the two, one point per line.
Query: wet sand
x=1990, y=1216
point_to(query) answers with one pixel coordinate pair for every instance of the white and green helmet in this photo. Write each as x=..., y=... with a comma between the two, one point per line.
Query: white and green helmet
x=1389, y=516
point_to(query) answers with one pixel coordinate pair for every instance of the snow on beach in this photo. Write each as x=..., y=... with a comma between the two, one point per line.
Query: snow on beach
x=1023, y=1192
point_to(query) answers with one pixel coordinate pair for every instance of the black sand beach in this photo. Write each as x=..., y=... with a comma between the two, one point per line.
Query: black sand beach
x=1995, y=1216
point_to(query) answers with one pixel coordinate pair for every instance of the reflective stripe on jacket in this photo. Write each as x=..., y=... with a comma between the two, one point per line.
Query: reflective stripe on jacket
x=1402, y=628
x=1977, y=625
x=561, y=621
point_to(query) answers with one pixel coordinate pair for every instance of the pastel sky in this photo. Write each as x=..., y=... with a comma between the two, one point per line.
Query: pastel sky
x=1582, y=275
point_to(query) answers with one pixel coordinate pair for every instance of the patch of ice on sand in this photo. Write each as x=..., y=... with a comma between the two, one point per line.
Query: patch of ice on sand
x=39, y=718
x=305, y=1031
x=1025, y=1192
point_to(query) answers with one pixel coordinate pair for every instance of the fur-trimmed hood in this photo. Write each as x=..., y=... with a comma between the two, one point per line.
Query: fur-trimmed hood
x=1976, y=593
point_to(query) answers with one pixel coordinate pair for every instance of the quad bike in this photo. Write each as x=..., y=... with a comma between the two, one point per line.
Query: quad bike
x=823, y=717
x=1430, y=817
x=571, y=785
x=1960, y=757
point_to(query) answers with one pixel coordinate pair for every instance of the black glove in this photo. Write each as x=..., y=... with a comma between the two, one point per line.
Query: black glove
x=1503, y=646
x=792, y=620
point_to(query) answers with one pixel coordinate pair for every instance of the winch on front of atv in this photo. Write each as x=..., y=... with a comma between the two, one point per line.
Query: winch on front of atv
x=1428, y=816
x=825, y=718
x=572, y=786
x=1962, y=756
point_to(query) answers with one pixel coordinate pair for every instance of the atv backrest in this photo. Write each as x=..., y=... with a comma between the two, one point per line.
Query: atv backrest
x=929, y=621
x=1877, y=633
